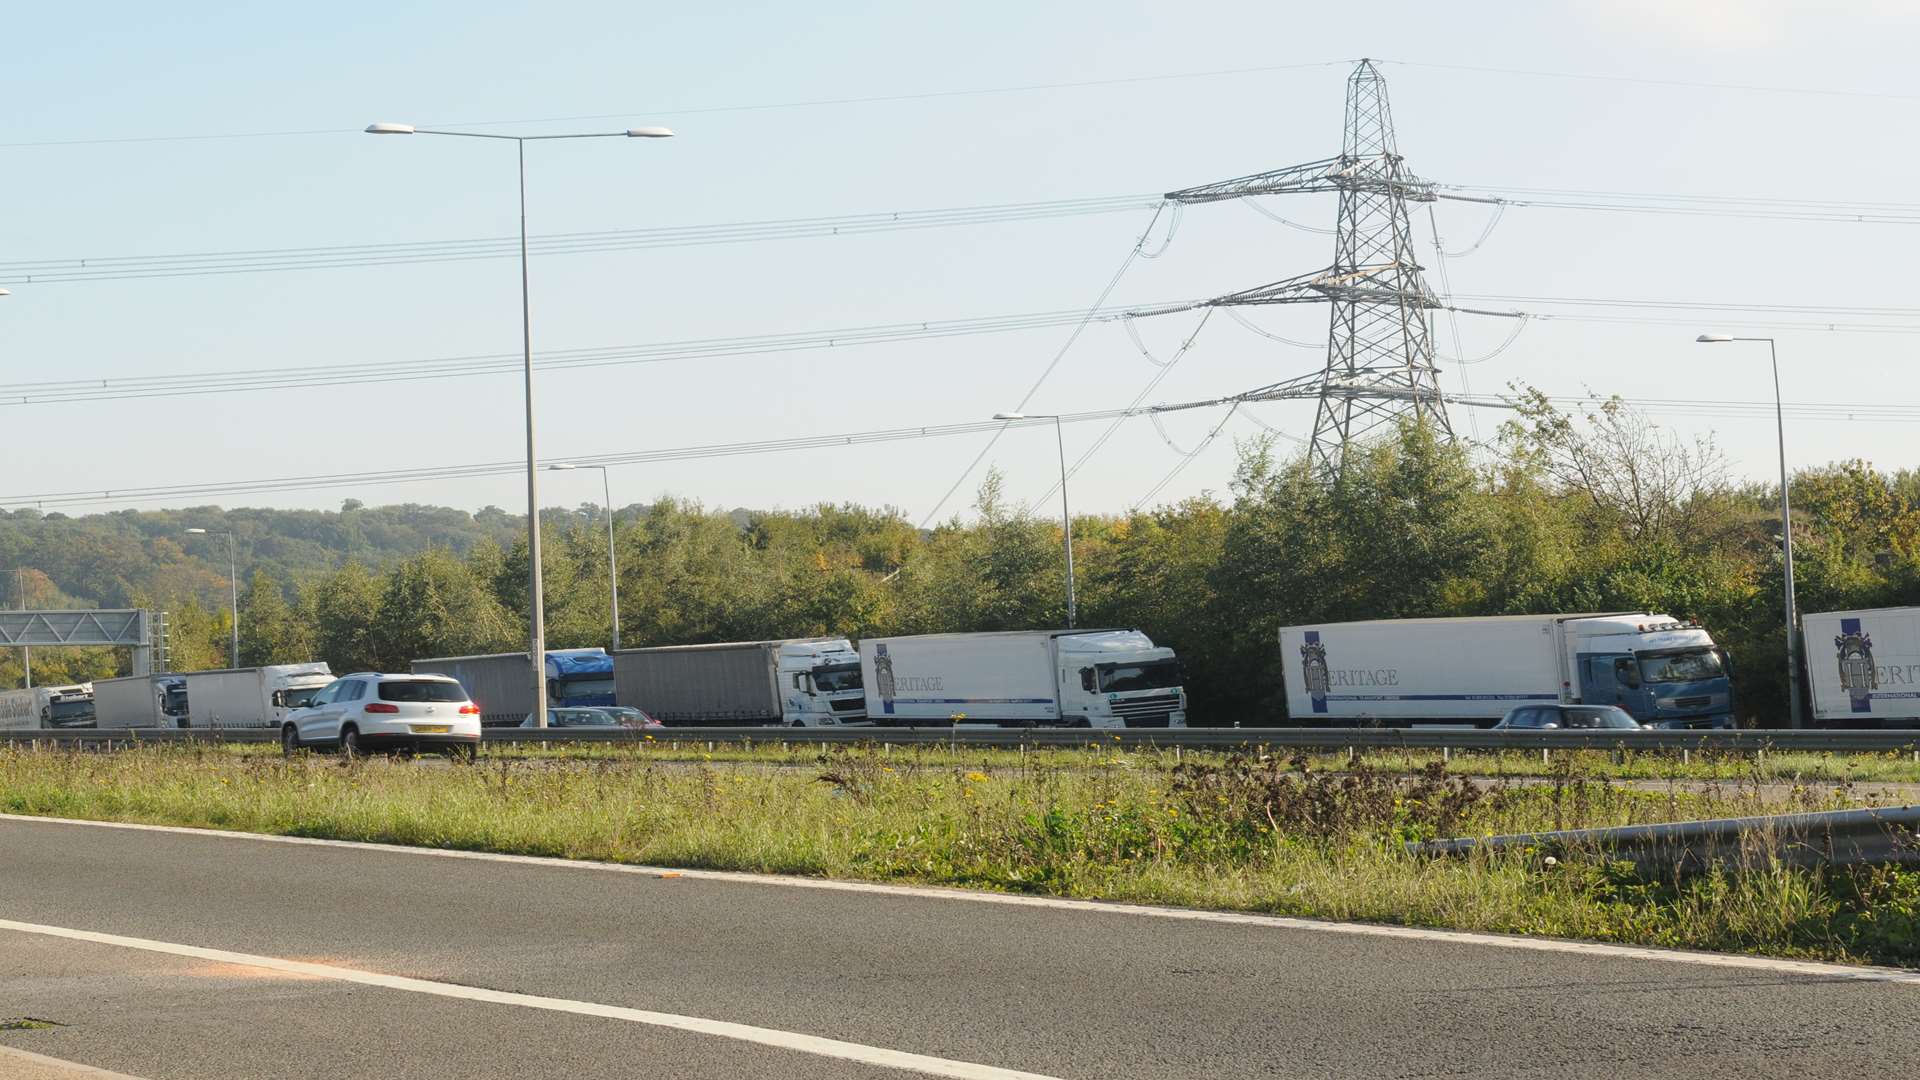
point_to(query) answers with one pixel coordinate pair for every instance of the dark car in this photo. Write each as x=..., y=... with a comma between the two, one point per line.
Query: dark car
x=1568, y=718
x=575, y=717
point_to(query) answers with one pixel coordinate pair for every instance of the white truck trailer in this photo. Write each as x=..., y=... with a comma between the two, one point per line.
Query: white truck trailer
x=257, y=697
x=1075, y=678
x=138, y=701
x=800, y=682
x=69, y=706
x=1472, y=670
x=1871, y=678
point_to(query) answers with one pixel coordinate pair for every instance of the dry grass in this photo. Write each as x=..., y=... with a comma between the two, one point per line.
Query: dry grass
x=1238, y=833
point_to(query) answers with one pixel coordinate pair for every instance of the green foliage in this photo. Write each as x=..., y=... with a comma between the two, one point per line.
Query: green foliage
x=1590, y=510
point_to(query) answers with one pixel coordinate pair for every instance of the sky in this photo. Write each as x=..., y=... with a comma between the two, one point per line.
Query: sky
x=143, y=130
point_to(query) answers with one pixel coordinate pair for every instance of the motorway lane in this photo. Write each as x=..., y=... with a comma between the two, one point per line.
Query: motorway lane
x=1057, y=992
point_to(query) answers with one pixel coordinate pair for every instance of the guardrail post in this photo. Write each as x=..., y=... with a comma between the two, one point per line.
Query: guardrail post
x=1686, y=756
x=1446, y=753
x=1546, y=756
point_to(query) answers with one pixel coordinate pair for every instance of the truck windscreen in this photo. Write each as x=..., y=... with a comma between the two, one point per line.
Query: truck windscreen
x=1691, y=666
x=586, y=686
x=70, y=714
x=297, y=699
x=833, y=680
x=1158, y=675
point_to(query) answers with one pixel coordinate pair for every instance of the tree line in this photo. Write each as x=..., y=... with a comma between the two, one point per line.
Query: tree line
x=1593, y=509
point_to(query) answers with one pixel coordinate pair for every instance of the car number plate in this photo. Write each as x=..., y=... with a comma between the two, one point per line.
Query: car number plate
x=432, y=729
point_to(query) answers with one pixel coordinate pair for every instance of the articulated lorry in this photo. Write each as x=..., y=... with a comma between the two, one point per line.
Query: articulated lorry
x=1871, y=678
x=800, y=682
x=1472, y=670
x=139, y=701
x=257, y=697
x=502, y=685
x=68, y=706
x=1073, y=678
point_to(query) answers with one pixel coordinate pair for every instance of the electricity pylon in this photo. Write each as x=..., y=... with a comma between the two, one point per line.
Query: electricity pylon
x=1380, y=361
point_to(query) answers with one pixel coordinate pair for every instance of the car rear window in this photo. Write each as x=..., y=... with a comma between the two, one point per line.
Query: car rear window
x=421, y=690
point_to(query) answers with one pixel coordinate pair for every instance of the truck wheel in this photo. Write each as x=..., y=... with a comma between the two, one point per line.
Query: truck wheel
x=289, y=740
x=350, y=741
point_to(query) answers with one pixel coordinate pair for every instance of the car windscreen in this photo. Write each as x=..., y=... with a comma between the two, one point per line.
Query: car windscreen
x=833, y=680
x=1608, y=717
x=1690, y=666
x=1158, y=675
x=580, y=718
x=421, y=690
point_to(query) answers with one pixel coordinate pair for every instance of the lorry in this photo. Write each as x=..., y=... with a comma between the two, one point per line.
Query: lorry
x=68, y=706
x=137, y=701
x=1072, y=678
x=800, y=682
x=502, y=685
x=257, y=697
x=1664, y=672
x=1871, y=679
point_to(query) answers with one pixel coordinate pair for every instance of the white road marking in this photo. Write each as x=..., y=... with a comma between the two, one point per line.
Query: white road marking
x=34, y=1066
x=1278, y=922
x=784, y=1040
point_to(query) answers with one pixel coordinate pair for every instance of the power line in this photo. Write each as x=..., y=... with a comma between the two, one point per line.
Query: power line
x=269, y=260
x=1092, y=313
x=304, y=376
x=1691, y=84
x=813, y=103
x=1836, y=412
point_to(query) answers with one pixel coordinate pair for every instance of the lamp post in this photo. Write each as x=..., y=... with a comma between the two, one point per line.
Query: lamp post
x=233, y=587
x=537, y=622
x=1786, y=525
x=613, y=565
x=20, y=582
x=1066, y=518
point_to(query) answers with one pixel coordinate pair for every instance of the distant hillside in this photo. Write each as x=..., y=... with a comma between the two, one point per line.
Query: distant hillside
x=120, y=559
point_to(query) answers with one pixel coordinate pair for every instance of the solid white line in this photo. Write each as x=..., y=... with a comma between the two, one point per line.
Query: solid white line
x=1278, y=922
x=784, y=1040
x=53, y=1066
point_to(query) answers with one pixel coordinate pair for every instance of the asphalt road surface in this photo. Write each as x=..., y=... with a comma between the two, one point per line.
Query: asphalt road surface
x=161, y=955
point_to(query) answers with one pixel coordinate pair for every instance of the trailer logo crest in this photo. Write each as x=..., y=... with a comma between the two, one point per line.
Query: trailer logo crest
x=1313, y=670
x=1853, y=649
x=883, y=678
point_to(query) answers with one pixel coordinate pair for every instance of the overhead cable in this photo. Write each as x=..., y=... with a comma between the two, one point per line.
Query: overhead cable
x=1092, y=313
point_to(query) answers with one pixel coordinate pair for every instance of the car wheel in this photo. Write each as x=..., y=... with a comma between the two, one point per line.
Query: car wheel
x=350, y=741
x=462, y=754
x=289, y=740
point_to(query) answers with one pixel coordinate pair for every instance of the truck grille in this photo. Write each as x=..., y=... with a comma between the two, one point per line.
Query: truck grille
x=1148, y=712
x=1692, y=702
x=849, y=705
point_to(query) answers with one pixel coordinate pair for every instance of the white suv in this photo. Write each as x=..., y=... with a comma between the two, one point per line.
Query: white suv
x=368, y=711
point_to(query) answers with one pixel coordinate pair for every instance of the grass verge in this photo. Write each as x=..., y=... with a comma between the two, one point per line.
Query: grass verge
x=1237, y=833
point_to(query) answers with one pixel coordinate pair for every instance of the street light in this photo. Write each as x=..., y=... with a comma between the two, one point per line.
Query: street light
x=1066, y=518
x=1786, y=524
x=537, y=643
x=613, y=566
x=233, y=586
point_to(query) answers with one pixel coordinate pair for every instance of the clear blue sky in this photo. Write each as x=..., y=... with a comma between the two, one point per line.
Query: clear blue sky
x=125, y=71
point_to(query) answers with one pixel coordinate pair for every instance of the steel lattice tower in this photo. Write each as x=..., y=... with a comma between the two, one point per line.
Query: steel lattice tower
x=1380, y=360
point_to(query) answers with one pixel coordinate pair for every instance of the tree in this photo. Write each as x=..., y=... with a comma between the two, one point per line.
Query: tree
x=432, y=605
x=344, y=607
x=272, y=631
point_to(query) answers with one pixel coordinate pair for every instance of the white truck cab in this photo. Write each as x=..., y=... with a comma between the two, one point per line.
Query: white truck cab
x=820, y=682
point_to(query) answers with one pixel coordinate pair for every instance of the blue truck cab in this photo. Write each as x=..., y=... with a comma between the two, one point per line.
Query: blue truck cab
x=579, y=677
x=1665, y=673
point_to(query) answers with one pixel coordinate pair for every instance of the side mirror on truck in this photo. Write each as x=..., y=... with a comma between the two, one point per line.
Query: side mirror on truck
x=1626, y=673
x=1086, y=679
